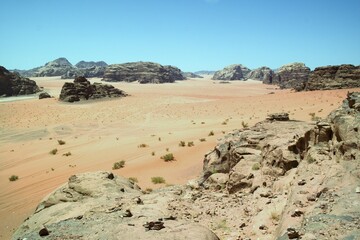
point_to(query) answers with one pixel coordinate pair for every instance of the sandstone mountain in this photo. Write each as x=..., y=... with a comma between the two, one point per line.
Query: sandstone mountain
x=293, y=75
x=143, y=72
x=280, y=179
x=12, y=84
x=334, y=77
x=57, y=67
x=84, y=64
x=263, y=74
x=232, y=72
x=82, y=89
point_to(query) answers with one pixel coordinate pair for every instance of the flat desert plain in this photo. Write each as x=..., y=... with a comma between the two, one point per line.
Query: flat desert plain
x=100, y=133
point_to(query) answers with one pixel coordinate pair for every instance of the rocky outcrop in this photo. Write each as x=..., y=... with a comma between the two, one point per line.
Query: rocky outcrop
x=91, y=72
x=82, y=89
x=57, y=67
x=232, y=72
x=44, y=95
x=293, y=75
x=143, y=72
x=334, y=77
x=84, y=64
x=190, y=75
x=263, y=74
x=12, y=84
x=102, y=205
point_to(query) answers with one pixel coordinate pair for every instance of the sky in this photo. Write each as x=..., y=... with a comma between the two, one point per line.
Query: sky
x=190, y=34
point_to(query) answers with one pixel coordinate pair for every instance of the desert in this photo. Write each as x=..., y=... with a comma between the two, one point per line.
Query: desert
x=102, y=132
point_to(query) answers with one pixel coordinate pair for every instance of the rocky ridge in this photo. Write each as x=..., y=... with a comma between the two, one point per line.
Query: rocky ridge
x=277, y=180
x=232, y=72
x=143, y=72
x=12, y=84
x=82, y=89
x=263, y=74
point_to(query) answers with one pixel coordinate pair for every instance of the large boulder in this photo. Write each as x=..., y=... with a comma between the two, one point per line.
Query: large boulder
x=334, y=77
x=143, y=72
x=12, y=84
x=58, y=67
x=101, y=205
x=263, y=74
x=232, y=72
x=82, y=89
x=293, y=75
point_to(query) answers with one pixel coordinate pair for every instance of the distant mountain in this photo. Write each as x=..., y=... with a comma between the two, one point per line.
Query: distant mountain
x=232, y=72
x=204, y=72
x=84, y=64
x=190, y=75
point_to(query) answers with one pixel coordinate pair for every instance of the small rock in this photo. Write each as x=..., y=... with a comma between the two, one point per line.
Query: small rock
x=302, y=182
x=44, y=232
x=311, y=198
x=242, y=225
x=292, y=233
x=128, y=213
x=158, y=225
x=44, y=95
x=357, y=190
x=263, y=227
x=297, y=213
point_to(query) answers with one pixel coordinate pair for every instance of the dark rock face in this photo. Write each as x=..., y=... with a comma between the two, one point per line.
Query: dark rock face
x=334, y=77
x=57, y=67
x=232, y=72
x=82, y=89
x=143, y=72
x=294, y=75
x=12, y=84
x=263, y=74
x=190, y=75
x=84, y=64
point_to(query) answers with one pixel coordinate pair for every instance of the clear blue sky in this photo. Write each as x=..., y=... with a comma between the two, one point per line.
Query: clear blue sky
x=191, y=34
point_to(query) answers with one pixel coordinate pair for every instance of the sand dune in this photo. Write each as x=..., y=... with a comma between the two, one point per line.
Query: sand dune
x=99, y=133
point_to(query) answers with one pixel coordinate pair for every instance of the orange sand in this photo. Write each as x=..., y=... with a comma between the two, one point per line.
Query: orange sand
x=99, y=133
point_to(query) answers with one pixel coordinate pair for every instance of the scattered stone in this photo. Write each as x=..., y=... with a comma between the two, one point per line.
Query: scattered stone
x=297, y=213
x=302, y=182
x=242, y=225
x=357, y=190
x=311, y=198
x=44, y=232
x=158, y=225
x=263, y=227
x=292, y=233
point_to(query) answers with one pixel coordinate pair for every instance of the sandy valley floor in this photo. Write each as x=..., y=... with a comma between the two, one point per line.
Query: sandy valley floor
x=99, y=133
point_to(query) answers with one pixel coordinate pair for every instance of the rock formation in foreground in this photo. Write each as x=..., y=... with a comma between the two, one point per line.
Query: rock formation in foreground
x=263, y=74
x=277, y=180
x=143, y=72
x=12, y=84
x=232, y=72
x=334, y=77
x=82, y=89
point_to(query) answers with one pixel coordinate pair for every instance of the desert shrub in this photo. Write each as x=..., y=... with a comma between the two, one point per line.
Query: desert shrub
x=133, y=179
x=211, y=133
x=202, y=140
x=118, y=165
x=152, y=153
x=275, y=216
x=190, y=144
x=182, y=144
x=54, y=151
x=67, y=154
x=256, y=166
x=143, y=145
x=157, y=180
x=13, y=178
x=61, y=142
x=244, y=124
x=168, y=157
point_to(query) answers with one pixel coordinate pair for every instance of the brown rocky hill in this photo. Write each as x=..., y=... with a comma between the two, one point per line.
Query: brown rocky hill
x=82, y=89
x=143, y=72
x=281, y=179
x=12, y=84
